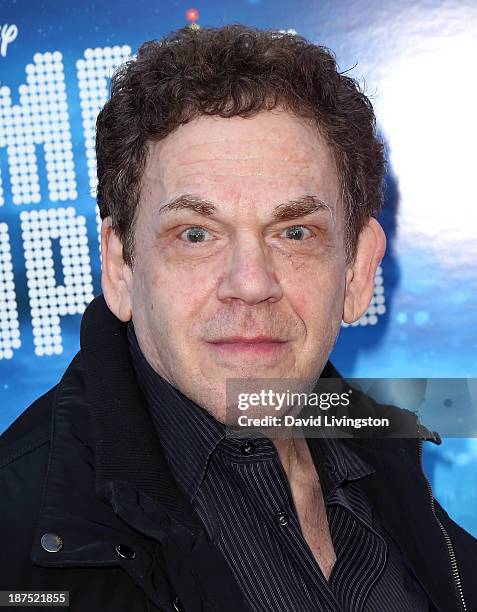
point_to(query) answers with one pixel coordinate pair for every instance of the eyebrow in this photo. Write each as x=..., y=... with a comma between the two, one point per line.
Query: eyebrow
x=292, y=209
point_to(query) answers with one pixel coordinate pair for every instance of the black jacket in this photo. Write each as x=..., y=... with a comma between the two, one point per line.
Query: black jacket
x=84, y=462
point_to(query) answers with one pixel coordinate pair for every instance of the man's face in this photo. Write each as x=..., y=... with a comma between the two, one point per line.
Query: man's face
x=253, y=262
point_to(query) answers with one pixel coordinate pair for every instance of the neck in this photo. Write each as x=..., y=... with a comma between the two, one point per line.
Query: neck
x=294, y=456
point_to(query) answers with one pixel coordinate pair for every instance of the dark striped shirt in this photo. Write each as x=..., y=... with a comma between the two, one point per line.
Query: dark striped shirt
x=241, y=493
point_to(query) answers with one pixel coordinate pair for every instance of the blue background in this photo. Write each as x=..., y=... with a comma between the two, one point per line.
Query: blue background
x=417, y=62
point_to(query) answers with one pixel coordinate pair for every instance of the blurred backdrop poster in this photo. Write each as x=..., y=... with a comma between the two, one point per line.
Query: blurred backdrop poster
x=415, y=61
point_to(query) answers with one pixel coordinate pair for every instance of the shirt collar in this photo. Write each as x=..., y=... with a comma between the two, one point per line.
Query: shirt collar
x=189, y=434
x=336, y=463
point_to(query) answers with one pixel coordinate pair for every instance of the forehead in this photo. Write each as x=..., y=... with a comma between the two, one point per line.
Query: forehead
x=273, y=154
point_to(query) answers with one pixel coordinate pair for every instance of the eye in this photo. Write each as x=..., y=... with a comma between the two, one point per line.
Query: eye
x=297, y=232
x=195, y=234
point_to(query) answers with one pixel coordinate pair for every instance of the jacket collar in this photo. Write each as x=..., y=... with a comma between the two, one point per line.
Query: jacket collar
x=96, y=465
x=108, y=482
x=183, y=427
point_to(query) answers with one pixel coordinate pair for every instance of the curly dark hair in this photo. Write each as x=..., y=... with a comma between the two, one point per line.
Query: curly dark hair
x=234, y=70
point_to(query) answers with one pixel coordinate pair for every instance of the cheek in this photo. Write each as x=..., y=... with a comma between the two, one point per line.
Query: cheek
x=301, y=303
x=313, y=307
x=316, y=299
x=178, y=294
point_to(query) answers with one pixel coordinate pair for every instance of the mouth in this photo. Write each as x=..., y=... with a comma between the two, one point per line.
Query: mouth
x=256, y=345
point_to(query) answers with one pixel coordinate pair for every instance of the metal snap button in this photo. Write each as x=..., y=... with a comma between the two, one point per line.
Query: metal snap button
x=51, y=542
x=125, y=551
x=248, y=448
x=177, y=605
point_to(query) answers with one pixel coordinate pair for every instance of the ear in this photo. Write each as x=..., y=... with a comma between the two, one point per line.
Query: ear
x=360, y=274
x=116, y=276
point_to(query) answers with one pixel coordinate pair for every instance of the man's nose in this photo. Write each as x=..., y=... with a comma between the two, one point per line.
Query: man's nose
x=249, y=275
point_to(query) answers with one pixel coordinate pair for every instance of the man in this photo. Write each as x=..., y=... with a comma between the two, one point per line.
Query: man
x=239, y=183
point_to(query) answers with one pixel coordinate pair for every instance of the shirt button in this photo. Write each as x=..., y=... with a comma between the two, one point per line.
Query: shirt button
x=51, y=542
x=248, y=448
x=125, y=551
x=282, y=518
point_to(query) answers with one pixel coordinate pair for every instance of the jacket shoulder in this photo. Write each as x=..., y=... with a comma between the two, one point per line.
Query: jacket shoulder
x=30, y=430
